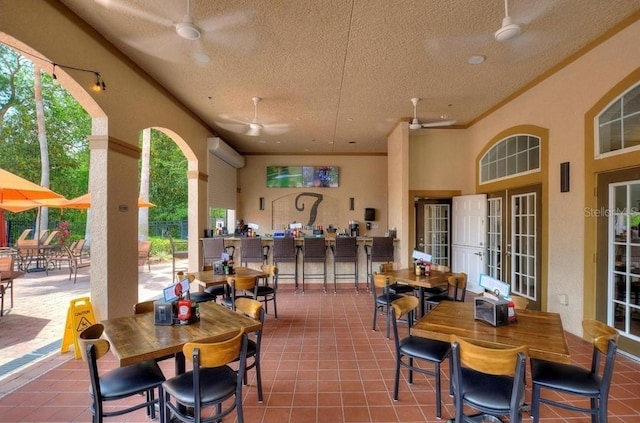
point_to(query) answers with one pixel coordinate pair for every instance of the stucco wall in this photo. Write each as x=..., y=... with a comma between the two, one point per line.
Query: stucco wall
x=362, y=177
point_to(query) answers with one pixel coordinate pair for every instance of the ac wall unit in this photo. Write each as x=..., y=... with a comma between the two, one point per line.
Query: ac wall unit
x=223, y=151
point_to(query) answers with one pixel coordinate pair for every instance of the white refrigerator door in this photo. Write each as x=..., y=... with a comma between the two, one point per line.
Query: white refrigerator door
x=469, y=232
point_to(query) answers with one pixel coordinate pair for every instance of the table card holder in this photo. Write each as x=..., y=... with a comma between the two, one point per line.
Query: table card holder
x=163, y=313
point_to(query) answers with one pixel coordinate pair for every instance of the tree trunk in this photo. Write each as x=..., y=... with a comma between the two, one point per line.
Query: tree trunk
x=43, y=214
x=143, y=213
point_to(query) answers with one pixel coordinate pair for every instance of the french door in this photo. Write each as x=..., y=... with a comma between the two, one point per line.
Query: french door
x=514, y=240
x=433, y=230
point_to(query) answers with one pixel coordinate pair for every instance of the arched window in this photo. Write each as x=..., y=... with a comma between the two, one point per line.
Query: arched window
x=618, y=126
x=514, y=155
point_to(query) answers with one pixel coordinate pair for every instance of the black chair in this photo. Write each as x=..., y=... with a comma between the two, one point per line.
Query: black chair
x=380, y=250
x=383, y=301
x=396, y=287
x=212, y=249
x=489, y=380
x=285, y=251
x=198, y=296
x=345, y=250
x=121, y=382
x=456, y=291
x=252, y=250
x=240, y=287
x=266, y=292
x=314, y=250
x=211, y=382
x=417, y=348
x=253, y=309
x=593, y=383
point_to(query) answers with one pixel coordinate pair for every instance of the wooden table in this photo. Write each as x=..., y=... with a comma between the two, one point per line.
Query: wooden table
x=542, y=332
x=409, y=277
x=136, y=338
x=207, y=278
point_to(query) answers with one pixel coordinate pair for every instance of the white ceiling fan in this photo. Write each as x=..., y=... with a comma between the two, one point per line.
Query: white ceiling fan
x=255, y=126
x=187, y=28
x=415, y=124
x=509, y=29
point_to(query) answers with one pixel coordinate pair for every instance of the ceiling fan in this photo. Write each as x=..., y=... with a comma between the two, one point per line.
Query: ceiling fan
x=255, y=126
x=509, y=29
x=187, y=28
x=415, y=124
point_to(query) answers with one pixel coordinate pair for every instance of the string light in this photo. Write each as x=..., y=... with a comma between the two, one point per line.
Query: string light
x=97, y=87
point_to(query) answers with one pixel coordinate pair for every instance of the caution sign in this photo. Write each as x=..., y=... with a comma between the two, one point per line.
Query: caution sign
x=79, y=317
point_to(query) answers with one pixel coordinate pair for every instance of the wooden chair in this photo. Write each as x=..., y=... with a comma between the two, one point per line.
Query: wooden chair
x=382, y=299
x=144, y=307
x=395, y=287
x=144, y=253
x=6, y=265
x=238, y=284
x=211, y=383
x=576, y=381
x=416, y=348
x=456, y=291
x=488, y=380
x=121, y=382
x=253, y=309
x=519, y=303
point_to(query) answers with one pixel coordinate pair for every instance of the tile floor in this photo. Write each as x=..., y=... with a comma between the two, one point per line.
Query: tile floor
x=321, y=363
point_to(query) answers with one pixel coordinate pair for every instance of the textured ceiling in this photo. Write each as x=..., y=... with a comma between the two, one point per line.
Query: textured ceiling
x=336, y=76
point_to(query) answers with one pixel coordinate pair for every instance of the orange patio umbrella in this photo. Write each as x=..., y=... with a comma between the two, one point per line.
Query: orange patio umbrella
x=84, y=202
x=13, y=187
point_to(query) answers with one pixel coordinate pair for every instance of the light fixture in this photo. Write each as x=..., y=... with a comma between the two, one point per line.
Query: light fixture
x=188, y=31
x=508, y=30
x=476, y=59
x=261, y=203
x=99, y=85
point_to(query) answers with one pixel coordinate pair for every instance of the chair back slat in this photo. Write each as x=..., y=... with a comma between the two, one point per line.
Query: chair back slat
x=215, y=354
x=492, y=361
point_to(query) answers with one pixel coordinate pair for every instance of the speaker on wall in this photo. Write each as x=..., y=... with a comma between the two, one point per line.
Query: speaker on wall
x=369, y=214
x=564, y=177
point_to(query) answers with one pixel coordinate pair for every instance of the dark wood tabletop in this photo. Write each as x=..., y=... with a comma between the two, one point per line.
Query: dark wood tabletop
x=136, y=338
x=541, y=331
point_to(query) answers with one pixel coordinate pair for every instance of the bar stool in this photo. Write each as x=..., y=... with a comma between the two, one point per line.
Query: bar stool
x=212, y=250
x=285, y=251
x=314, y=250
x=345, y=250
x=380, y=250
x=252, y=251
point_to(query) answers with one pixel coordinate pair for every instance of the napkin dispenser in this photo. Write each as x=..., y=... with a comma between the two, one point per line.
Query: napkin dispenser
x=163, y=313
x=492, y=311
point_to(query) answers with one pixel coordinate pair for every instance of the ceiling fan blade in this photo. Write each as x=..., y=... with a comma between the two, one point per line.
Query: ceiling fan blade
x=235, y=127
x=276, y=128
x=439, y=123
x=122, y=7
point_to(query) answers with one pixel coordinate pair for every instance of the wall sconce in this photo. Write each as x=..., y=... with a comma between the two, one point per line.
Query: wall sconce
x=352, y=202
x=564, y=177
x=261, y=203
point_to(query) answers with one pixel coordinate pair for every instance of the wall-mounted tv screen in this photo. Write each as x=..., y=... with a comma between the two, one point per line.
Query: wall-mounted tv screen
x=302, y=176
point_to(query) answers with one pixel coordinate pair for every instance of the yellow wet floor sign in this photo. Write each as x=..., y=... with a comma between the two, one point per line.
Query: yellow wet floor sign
x=79, y=317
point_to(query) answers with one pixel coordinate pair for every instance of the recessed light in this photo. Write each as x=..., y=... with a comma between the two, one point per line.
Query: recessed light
x=201, y=58
x=476, y=60
x=352, y=142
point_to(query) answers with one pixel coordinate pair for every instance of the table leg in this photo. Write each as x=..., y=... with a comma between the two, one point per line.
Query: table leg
x=421, y=296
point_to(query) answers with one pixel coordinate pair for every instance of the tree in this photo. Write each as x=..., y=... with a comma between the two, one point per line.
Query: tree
x=43, y=212
x=143, y=214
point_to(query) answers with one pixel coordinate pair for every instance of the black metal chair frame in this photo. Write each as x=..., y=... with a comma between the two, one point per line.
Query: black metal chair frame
x=314, y=250
x=285, y=251
x=593, y=383
x=177, y=252
x=345, y=250
x=383, y=302
x=413, y=347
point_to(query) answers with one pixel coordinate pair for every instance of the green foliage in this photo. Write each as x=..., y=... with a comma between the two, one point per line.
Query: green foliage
x=167, y=179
